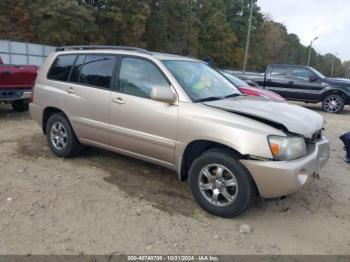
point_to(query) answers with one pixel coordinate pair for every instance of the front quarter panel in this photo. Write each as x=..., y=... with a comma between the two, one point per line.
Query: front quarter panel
x=200, y=122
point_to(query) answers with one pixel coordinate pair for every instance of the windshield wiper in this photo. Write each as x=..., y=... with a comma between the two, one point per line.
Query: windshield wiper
x=210, y=98
x=213, y=98
x=232, y=95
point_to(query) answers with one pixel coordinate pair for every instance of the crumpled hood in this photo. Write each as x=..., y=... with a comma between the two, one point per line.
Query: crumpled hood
x=296, y=119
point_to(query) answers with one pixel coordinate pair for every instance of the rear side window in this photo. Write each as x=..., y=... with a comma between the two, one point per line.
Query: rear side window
x=97, y=70
x=279, y=71
x=61, y=67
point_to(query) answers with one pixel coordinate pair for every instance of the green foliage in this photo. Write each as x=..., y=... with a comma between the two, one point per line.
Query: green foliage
x=172, y=27
x=201, y=28
x=61, y=22
x=216, y=38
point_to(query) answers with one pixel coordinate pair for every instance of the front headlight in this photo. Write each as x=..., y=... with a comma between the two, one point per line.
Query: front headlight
x=287, y=148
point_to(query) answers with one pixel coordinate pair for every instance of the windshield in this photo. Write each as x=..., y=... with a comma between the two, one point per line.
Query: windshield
x=235, y=80
x=318, y=74
x=200, y=81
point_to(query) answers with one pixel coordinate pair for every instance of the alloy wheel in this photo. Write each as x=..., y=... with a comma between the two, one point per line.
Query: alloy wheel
x=58, y=136
x=218, y=185
x=332, y=104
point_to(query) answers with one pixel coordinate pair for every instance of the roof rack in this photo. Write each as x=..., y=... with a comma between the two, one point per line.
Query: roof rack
x=96, y=47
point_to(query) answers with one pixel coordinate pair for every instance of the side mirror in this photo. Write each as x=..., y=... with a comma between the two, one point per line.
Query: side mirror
x=312, y=78
x=163, y=94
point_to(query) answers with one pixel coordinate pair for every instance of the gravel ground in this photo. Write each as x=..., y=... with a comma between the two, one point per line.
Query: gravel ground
x=103, y=203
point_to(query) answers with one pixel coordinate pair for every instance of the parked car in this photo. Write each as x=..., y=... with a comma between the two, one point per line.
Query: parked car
x=16, y=83
x=304, y=83
x=249, y=90
x=179, y=113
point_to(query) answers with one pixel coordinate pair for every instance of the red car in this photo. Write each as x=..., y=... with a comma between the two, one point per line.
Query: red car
x=245, y=88
x=16, y=84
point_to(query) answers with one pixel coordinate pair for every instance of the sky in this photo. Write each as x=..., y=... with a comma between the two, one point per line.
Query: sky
x=327, y=19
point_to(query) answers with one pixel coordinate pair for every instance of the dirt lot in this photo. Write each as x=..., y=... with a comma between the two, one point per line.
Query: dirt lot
x=102, y=203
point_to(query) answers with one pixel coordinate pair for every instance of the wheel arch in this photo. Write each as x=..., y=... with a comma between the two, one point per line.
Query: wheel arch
x=194, y=149
x=48, y=112
x=334, y=91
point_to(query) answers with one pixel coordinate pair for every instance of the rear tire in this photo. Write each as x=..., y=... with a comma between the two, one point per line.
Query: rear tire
x=333, y=103
x=61, y=137
x=20, y=106
x=215, y=195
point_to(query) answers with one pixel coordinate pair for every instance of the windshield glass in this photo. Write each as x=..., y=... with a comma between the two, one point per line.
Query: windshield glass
x=317, y=73
x=235, y=80
x=200, y=81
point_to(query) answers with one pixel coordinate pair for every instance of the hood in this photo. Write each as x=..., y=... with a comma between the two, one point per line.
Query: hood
x=295, y=119
x=338, y=82
x=254, y=91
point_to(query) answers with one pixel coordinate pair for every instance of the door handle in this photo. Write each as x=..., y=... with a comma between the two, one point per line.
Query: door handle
x=118, y=100
x=70, y=90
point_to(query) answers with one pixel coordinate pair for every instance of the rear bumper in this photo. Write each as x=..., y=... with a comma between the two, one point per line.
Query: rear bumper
x=278, y=178
x=12, y=95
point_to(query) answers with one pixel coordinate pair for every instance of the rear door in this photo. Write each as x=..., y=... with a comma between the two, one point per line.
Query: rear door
x=306, y=85
x=86, y=95
x=278, y=80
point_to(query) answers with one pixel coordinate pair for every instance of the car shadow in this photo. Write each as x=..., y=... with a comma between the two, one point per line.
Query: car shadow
x=7, y=113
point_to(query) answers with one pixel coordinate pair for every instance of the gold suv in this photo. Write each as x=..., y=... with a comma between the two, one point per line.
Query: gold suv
x=179, y=113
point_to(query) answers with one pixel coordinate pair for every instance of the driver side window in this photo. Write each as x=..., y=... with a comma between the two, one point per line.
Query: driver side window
x=138, y=76
x=302, y=74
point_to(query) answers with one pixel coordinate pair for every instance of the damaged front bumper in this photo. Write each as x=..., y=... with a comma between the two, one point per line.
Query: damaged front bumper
x=278, y=178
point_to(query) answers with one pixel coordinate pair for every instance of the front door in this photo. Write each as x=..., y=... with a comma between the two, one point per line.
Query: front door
x=139, y=124
x=306, y=85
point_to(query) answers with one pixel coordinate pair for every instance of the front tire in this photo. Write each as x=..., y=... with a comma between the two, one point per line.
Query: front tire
x=20, y=106
x=333, y=103
x=221, y=184
x=61, y=137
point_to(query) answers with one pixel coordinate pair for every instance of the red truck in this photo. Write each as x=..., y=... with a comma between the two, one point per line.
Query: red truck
x=16, y=84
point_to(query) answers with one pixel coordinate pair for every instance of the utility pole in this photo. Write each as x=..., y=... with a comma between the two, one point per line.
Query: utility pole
x=332, y=69
x=309, y=57
x=248, y=38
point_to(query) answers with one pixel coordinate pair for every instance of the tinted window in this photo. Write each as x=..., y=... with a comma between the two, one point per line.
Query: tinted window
x=279, y=71
x=61, y=67
x=97, y=70
x=138, y=76
x=303, y=74
x=77, y=68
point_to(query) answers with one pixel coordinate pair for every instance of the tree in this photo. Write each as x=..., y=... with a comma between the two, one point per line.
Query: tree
x=121, y=22
x=216, y=39
x=269, y=45
x=62, y=22
x=16, y=21
x=172, y=27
